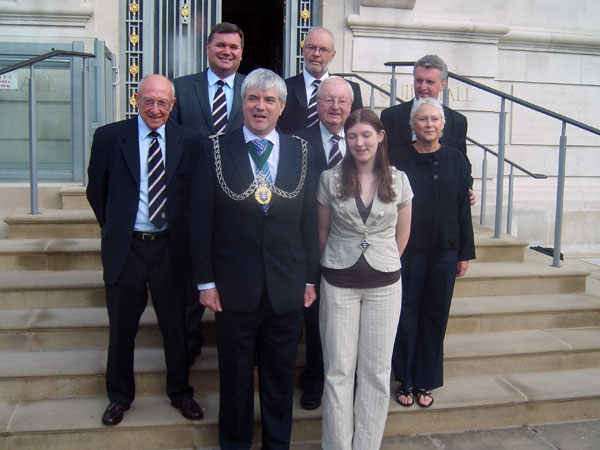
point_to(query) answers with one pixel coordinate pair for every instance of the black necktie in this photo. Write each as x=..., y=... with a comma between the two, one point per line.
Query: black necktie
x=311, y=116
x=335, y=154
x=157, y=193
x=219, y=111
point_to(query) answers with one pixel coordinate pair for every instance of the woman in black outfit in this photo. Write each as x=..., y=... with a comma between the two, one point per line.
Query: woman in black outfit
x=439, y=249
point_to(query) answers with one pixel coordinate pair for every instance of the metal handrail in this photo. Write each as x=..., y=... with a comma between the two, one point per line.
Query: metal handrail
x=486, y=150
x=39, y=58
x=511, y=98
x=501, y=147
x=374, y=87
x=33, y=179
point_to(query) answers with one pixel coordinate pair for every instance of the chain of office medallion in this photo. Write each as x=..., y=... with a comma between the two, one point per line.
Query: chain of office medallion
x=238, y=197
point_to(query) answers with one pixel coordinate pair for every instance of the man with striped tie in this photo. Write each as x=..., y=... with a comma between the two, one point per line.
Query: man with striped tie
x=140, y=174
x=210, y=103
x=327, y=140
x=301, y=109
x=255, y=259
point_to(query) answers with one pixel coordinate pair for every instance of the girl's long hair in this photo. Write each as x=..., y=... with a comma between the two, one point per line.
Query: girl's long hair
x=350, y=186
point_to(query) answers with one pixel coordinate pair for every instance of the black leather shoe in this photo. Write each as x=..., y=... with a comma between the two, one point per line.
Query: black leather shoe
x=189, y=408
x=310, y=400
x=113, y=414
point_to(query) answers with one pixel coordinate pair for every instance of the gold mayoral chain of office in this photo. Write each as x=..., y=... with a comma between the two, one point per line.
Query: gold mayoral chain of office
x=261, y=187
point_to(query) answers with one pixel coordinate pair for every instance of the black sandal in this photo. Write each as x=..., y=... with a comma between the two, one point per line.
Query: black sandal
x=401, y=392
x=423, y=393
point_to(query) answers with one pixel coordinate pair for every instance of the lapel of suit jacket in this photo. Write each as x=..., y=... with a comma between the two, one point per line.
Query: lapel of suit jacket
x=130, y=148
x=201, y=87
x=289, y=163
x=316, y=140
x=237, y=152
x=236, y=107
x=173, y=151
x=299, y=91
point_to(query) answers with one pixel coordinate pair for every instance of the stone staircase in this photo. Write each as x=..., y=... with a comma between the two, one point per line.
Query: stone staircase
x=523, y=347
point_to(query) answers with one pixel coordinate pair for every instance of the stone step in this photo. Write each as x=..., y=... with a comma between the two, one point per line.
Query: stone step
x=47, y=289
x=522, y=312
x=521, y=351
x=80, y=372
x=73, y=197
x=534, y=275
x=465, y=403
x=68, y=231
x=52, y=223
x=488, y=249
x=56, y=328
x=50, y=254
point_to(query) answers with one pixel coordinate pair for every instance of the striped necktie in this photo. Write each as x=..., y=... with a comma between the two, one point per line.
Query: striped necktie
x=261, y=146
x=311, y=116
x=335, y=154
x=219, y=110
x=157, y=193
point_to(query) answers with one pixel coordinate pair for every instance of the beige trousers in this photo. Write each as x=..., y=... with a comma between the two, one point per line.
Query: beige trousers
x=358, y=328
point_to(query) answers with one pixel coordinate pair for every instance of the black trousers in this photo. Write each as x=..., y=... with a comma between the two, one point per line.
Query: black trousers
x=149, y=266
x=193, y=316
x=312, y=377
x=428, y=279
x=274, y=339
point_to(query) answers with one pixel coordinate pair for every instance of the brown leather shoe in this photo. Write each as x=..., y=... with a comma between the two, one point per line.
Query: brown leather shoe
x=113, y=414
x=189, y=408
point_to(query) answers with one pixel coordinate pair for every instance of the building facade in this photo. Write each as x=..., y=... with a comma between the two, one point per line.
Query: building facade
x=547, y=53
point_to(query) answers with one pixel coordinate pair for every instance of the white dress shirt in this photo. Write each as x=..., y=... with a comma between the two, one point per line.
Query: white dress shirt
x=142, y=220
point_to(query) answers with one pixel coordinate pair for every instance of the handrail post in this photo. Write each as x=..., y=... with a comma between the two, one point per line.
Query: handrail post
x=560, y=193
x=500, y=171
x=86, y=118
x=483, y=188
x=510, y=200
x=33, y=175
x=393, y=87
x=372, y=99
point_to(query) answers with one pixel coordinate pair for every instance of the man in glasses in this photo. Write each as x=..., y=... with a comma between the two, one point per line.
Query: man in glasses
x=301, y=109
x=140, y=175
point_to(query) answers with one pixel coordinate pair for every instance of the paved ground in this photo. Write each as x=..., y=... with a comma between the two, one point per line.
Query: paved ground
x=561, y=436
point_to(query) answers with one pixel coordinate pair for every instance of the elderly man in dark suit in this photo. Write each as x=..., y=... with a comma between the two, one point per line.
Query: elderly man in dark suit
x=210, y=103
x=301, y=110
x=255, y=259
x=327, y=139
x=140, y=174
x=430, y=79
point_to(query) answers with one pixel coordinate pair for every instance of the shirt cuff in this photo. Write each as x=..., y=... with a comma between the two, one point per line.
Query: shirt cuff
x=205, y=286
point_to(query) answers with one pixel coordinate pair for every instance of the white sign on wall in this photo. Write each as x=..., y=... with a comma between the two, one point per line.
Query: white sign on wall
x=9, y=81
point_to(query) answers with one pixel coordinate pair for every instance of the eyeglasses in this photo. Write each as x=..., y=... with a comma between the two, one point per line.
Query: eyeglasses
x=162, y=103
x=313, y=49
x=341, y=102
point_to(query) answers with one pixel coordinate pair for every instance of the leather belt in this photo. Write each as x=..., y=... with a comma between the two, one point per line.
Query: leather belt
x=150, y=237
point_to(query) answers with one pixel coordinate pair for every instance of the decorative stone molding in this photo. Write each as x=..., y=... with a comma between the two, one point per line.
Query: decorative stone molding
x=405, y=24
x=61, y=13
x=399, y=4
x=371, y=23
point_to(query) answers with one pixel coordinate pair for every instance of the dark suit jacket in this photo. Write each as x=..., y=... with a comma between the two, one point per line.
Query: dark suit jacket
x=193, y=108
x=313, y=136
x=114, y=185
x=240, y=248
x=294, y=115
x=399, y=134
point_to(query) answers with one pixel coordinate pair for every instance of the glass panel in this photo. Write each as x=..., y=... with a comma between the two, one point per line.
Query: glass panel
x=54, y=118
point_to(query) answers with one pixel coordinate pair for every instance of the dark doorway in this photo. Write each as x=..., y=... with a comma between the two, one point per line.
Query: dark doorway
x=263, y=24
